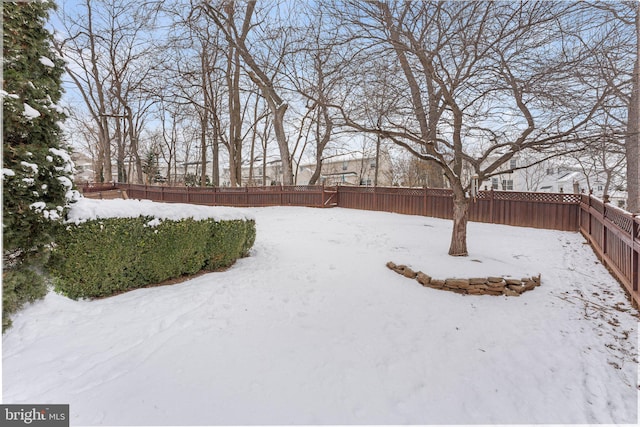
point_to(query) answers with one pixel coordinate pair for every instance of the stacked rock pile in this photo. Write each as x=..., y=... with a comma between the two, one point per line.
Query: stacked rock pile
x=473, y=286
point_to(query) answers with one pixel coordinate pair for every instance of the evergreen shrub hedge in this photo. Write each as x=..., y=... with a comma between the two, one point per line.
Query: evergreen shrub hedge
x=19, y=286
x=103, y=257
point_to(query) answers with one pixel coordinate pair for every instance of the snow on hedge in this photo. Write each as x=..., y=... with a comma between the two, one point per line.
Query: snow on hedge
x=90, y=209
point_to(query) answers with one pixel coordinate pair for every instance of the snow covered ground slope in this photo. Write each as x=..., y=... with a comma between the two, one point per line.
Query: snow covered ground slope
x=312, y=328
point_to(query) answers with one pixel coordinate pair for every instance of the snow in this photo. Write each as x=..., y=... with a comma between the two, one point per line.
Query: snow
x=29, y=112
x=66, y=157
x=7, y=172
x=65, y=181
x=4, y=93
x=46, y=62
x=91, y=209
x=153, y=223
x=312, y=328
x=38, y=206
x=51, y=214
x=32, y=166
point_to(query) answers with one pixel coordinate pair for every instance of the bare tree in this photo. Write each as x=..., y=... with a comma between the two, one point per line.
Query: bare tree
x=604, y=158
x=609, y=35
x=632, y=142
x=194, y=75
x=482, y=85
x=317, y=74
x=224, y=16
x=80, y=47
x=108, y=48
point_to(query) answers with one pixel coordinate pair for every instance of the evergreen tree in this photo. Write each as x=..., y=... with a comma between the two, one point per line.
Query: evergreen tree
x=36, y=168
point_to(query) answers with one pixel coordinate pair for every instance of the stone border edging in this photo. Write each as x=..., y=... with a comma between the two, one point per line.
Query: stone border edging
x=473, y=286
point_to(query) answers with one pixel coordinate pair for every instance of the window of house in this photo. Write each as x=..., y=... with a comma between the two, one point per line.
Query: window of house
x=513, y=163
x=550, y=171
x=373, y=165
x=507, y=184
x=621, y=204
x=600, y=187
x=494, y=183
x=345, y=165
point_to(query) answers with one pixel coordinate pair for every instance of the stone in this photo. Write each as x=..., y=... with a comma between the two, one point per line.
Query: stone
x=479, y=287
x=391, y=265
x=423, y=279
x=518, y=288
x=478, y=281
x=407, y=272
x=510, y=293
x=500, y=284
x=513, y=281
x=536, y=280
x=457, y=283
x=492, y=292
x=529, y=285
x=475, y=291
x=435, y=283
x=495, y=279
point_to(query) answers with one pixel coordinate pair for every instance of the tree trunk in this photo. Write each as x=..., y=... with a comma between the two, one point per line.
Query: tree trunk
x=281, y=138
x=215, y=158
x=122, y=173
x=632, y=139
x=107, y=175
x=458, y=245
x=316, y=173
x=375, y=176
x=204, y=123
x=98, y=174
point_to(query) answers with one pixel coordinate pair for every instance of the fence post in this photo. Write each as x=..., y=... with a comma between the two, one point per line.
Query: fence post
x=604, y=227
x=589, y=212
x=491, y=203
x=634, y=254
x=424, y=201
x=375, y=199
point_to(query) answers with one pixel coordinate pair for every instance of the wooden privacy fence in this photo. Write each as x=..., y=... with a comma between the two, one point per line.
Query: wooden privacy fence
x=276, y=195
x=613, y=233
x=539, y=210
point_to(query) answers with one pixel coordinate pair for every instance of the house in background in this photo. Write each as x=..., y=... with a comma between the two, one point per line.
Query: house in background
x=574, y=180
x=352, y=169
x=549, y=177
x=345, y=169
x=84, y=171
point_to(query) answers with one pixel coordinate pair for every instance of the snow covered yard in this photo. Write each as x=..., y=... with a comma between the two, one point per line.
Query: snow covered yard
x=312, y=328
